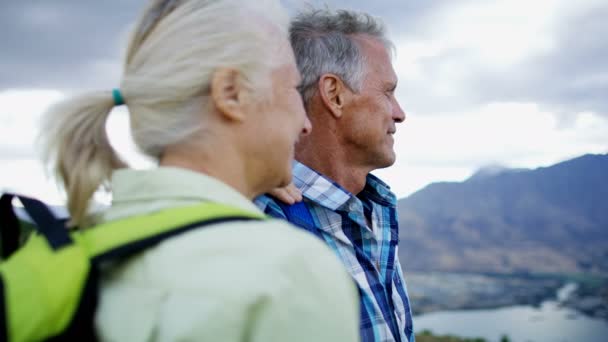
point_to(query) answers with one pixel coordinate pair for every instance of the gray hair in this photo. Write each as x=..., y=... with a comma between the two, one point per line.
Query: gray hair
x=324, y=42
x=171, y=57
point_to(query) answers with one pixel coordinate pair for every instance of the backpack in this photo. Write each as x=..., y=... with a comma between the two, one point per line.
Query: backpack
x=49, y=285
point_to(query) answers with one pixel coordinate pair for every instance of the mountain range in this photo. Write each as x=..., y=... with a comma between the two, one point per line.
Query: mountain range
x=547, y=220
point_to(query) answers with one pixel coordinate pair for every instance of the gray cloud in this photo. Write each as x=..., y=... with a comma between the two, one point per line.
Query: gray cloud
x=79, y=44
x=66, y=44
x=398, y=15
x=570, y=78
x=61, y=43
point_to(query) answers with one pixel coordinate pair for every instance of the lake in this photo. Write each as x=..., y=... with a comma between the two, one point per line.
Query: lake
x=548, y=323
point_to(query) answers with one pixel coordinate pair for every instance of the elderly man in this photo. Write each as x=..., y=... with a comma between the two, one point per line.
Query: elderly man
x=348, y=89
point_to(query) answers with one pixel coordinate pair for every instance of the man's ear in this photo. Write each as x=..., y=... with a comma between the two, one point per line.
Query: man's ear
x=333, y=93
x=226, y=90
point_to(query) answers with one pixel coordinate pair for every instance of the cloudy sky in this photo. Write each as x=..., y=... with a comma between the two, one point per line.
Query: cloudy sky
x=483, y=82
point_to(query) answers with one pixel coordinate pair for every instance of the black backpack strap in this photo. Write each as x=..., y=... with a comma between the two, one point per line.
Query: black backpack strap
x=46, y=223
x=9, y=226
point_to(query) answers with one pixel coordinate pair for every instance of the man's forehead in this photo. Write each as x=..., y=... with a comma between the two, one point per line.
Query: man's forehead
x=377, y=57
x=373, y=48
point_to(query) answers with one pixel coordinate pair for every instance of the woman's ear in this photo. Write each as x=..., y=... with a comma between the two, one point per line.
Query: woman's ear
x=226, y=90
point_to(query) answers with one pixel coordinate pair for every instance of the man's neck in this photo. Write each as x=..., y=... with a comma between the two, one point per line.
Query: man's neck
x=333, y=164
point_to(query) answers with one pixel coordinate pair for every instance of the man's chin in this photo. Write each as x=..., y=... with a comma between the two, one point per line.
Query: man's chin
x=386, y=161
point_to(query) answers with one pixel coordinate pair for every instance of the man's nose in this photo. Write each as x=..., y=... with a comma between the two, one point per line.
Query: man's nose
x=398, y=113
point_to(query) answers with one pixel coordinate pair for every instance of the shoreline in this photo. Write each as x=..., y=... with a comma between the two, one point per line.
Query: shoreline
x=446, y=291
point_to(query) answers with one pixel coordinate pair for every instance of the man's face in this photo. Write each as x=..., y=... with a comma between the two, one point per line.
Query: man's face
x=371, y=115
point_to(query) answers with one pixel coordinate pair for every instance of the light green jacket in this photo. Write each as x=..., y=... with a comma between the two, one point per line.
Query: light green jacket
x=239, y=281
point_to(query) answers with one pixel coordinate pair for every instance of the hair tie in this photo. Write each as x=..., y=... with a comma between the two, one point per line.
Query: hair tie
x=118, y=99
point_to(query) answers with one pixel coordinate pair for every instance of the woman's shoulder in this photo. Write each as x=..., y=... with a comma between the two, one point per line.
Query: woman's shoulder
x=269, y=238
x=251, y=252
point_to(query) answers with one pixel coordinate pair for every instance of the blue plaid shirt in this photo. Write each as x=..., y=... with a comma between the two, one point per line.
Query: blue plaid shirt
x=370, y=255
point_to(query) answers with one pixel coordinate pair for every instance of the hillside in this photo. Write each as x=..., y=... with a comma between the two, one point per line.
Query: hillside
x=552, y=219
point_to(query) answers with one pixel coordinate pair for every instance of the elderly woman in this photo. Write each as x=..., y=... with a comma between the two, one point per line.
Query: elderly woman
x=211, y=90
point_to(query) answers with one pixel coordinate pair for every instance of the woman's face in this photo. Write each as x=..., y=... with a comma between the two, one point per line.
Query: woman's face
x=280, y=121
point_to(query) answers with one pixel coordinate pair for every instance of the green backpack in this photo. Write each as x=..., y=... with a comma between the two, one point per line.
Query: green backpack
x=49, y=285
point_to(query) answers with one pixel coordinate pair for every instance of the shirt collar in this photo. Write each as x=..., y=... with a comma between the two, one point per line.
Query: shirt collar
x=378, y=191
x=172, y=183
x=331, y=195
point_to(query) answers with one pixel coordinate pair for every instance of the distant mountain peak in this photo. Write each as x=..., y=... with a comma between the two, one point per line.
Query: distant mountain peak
x=489, y=170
